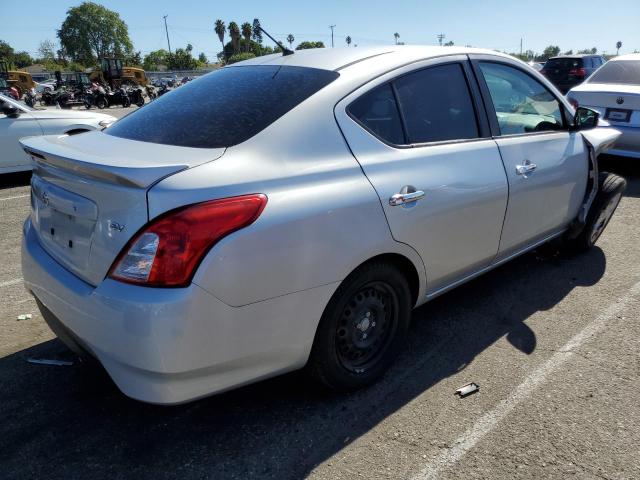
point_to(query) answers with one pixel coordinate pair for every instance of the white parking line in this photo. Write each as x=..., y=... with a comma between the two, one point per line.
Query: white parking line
x=490, y=420
x=13, y=198
x=10, y=282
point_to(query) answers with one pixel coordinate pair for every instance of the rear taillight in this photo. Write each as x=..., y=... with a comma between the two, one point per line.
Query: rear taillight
x=578, y=72
x=167, y=251
x=574, y=103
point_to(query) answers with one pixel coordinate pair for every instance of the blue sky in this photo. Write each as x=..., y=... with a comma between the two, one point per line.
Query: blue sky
x=496, y=24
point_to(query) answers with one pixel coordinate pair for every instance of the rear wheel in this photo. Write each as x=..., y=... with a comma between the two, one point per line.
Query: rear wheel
x=611, y=188
x=101, y=103
x=363, y=328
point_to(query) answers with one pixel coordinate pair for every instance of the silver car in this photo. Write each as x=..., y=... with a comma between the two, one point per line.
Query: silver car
x=290, y=211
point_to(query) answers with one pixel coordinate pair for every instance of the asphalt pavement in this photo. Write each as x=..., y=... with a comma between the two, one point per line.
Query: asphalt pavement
x=552, y=340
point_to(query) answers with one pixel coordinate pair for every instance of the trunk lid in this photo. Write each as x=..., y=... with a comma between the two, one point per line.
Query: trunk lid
x=617, y=104
x=89, y=194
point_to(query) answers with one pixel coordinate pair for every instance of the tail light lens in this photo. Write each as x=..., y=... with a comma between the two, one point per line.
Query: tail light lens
x=578, y=72
x=168, y=250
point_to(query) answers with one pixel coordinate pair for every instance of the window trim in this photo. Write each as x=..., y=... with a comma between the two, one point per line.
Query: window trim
x=482, y=125
x=476, y=60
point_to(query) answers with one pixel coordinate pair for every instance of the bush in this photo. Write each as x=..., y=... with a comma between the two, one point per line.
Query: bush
x=240, y=57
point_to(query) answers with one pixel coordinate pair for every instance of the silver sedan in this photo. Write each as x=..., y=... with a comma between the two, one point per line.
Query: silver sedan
x=290, y=211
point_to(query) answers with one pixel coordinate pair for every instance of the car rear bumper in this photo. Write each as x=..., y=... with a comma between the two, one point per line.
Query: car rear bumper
x=169, y=346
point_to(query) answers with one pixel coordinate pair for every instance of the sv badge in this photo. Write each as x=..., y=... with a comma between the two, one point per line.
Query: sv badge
x=116, y=226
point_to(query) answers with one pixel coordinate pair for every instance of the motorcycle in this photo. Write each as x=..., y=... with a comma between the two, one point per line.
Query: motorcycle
x=48, y=98
x=96, y=96
x=30, y=97
x=136, y=96
x=151, y=92
x=163, y=89
x=118, y=97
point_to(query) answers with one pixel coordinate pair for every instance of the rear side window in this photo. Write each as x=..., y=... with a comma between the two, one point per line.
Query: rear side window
x=564, y=63
x=223, y=108
x=436, y=105
x=378, y=112
x=626, y=72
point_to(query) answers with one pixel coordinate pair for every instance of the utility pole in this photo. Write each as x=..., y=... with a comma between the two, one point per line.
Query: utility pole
x=332, y=27
x=520, y=47
x=441, y=37
x=167, y=31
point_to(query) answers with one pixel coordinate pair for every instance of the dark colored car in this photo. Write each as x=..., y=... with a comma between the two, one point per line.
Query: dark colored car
x=567, y=71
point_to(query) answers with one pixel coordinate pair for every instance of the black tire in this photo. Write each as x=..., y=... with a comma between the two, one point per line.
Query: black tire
x=362, y=329
x=126, y=103
x=101, y=103
x=140, y=102
x=610, y=190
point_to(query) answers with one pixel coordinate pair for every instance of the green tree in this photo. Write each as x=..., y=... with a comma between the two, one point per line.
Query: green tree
x=240, y=57
x=234, y=33
x=306, y=45
x=257, y=32
x=181, y=59
x=22, y=59
x=618, y=47
x=154, y=60
x=246, y=32
x=290, y=39
x=348, y=40
x=568, y=52
x=202, y=58
x=220, y=29
x=6, y=51
x=91, y=31
x=396, y=36
x=550, y=51
x=449, y=43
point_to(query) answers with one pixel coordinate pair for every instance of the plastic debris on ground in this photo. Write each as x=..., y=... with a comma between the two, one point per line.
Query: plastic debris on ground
x=25, y=316
x=467, y=389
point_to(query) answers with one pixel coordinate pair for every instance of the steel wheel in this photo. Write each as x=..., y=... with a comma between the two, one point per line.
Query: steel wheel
x=366, y=326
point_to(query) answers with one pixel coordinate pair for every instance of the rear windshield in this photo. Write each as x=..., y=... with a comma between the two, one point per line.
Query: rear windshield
x=564, y=63
x=626, y=72
x=222, y=108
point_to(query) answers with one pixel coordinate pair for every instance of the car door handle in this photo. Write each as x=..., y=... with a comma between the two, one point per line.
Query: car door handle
x=528, y=167
x=405, y=198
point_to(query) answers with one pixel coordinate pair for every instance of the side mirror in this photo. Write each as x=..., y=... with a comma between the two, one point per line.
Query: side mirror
x=585, y=119
x=10, y=111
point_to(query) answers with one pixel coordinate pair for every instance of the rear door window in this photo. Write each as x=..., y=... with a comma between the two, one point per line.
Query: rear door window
x=377, y=111
x=521, y=103
x=223, y=108
x=436, y=105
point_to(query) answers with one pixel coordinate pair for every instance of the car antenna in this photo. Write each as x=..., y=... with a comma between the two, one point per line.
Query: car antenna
x=285, y=50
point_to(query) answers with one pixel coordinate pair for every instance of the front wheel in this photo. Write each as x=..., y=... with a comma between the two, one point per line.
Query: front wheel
x=140, y=102
x=101, y=103
x=610, y=190
x=362, y=329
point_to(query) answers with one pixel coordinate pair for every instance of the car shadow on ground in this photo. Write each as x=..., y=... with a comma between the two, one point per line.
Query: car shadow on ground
x=11, y=180
x=72, y=422
x=628, y=168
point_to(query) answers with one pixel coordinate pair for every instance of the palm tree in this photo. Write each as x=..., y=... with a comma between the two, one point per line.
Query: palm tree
x=220, y=29
x=348, y=40
x=396, y=36
x=290, y=39
x=246, y=33
x=234, y=33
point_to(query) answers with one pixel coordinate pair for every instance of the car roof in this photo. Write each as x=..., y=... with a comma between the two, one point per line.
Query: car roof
x=577, y=55
x=340, y=58
x=628, y=56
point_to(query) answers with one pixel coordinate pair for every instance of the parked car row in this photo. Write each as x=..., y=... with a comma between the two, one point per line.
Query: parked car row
x=18, y=120
x=290, y=211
